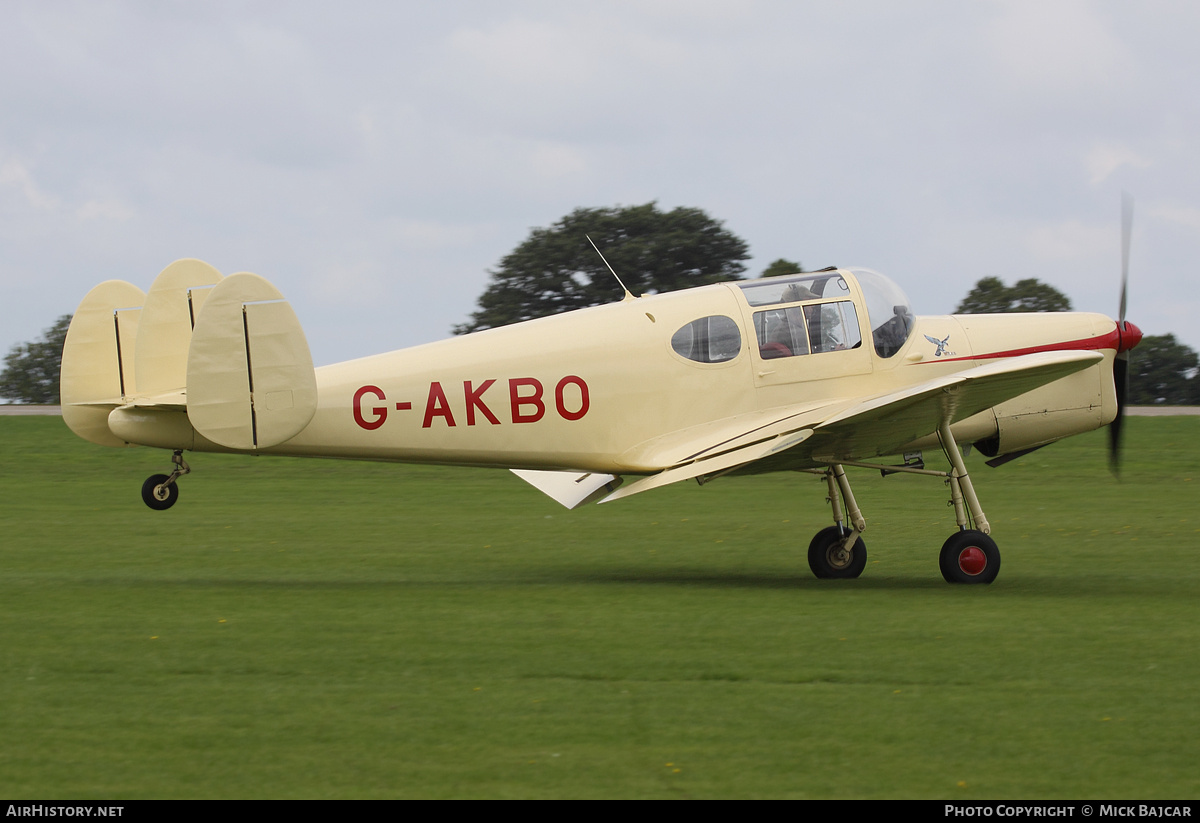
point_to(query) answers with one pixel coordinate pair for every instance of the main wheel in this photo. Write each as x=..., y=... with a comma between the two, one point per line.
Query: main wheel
x=827, y=558
x=969, y=557
x=158, y=496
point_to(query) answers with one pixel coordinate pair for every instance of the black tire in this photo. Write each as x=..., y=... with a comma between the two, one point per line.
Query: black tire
x=969, y=557
x=171, y=492
x=828, y=559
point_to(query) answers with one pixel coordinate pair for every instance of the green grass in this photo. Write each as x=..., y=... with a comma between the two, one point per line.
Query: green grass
x=332, y=629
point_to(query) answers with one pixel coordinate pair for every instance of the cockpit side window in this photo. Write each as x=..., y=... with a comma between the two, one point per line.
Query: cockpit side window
x=817, y=327
x=780, y=332
x=833, y=326
x=712, y=339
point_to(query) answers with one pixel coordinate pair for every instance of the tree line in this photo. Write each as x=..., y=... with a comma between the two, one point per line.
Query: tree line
x=557, y=269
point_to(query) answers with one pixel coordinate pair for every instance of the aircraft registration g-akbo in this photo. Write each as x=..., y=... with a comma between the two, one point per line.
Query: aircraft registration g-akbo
x=809, y=372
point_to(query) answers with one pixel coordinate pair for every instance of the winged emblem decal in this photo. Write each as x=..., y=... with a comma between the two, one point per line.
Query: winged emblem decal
x=941, y=345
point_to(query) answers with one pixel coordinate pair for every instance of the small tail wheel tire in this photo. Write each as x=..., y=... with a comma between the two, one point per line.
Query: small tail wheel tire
x=158, y=496
x=969, y=557
x=828, y=559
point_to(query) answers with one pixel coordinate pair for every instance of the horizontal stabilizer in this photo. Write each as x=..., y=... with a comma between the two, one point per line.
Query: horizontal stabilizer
x=250, y=378
x=167, y=401
x=571, y=489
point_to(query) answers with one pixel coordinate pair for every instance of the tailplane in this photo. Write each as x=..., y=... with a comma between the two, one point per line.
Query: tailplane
x=200, y=357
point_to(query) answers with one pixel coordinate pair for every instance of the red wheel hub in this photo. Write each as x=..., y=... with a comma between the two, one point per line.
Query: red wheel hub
x=972, y=560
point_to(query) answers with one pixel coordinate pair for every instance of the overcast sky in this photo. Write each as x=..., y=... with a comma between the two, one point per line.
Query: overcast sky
x=375, y=159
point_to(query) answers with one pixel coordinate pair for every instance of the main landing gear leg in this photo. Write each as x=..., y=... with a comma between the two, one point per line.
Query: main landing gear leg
x=160, y=491
x=835, y=551
x=969, y=555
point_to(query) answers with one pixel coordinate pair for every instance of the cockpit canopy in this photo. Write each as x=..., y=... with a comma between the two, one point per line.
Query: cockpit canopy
x=887, y=307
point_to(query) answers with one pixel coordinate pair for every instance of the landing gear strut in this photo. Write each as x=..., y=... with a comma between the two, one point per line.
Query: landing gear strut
x=836, y=551
x=160, y=491
x=968, y=556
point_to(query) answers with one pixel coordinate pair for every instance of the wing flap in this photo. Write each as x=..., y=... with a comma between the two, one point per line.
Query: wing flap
x=571, y=489
x=728, y=434
x=711, y=465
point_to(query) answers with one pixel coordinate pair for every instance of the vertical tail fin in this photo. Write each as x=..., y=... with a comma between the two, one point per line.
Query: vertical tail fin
x=250, y=378
x=98, y=372
x=168, y=317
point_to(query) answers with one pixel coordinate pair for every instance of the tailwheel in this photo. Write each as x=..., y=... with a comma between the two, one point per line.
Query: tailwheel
x=829, y=558
x=158, y=493
x=969, y=556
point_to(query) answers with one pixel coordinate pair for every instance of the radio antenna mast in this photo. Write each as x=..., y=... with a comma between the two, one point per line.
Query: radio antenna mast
x=628, y=294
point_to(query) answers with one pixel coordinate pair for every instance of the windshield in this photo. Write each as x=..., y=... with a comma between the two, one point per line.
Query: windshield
x=888, y=310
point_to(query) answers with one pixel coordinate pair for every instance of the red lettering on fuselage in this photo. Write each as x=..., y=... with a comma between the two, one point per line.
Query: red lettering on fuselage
x=526, y=396
x=380, y=412
x=437, y=406
x=518, y=400
x=475, y=401
x=560, y=401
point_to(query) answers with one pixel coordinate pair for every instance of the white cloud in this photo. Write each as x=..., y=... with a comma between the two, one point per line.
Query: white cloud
x=104, y=210
x=427, y=235
x=1188, y=216
x=1103, y=160
x=1069, y=240
x=1063, y=47
x=17, y=176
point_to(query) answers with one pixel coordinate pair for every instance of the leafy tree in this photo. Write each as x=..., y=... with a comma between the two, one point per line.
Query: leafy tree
x=1034, y=295
x=991, y=296
x=31, y=369
x=1163, y=371
x=781, y=267
x=556, y=270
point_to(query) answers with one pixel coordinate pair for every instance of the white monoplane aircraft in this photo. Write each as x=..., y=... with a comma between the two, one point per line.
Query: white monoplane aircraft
x=808, y=372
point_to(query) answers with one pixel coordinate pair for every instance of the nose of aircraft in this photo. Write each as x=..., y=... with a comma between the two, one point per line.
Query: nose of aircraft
x=1130, y=336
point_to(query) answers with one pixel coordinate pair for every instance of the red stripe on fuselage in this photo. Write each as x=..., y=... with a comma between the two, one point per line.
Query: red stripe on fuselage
x=1105, y=341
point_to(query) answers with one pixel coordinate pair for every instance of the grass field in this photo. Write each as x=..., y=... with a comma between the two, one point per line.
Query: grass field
x=332, y=629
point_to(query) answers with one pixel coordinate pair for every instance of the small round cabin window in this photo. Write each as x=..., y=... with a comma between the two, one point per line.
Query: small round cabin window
x=713, y=339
